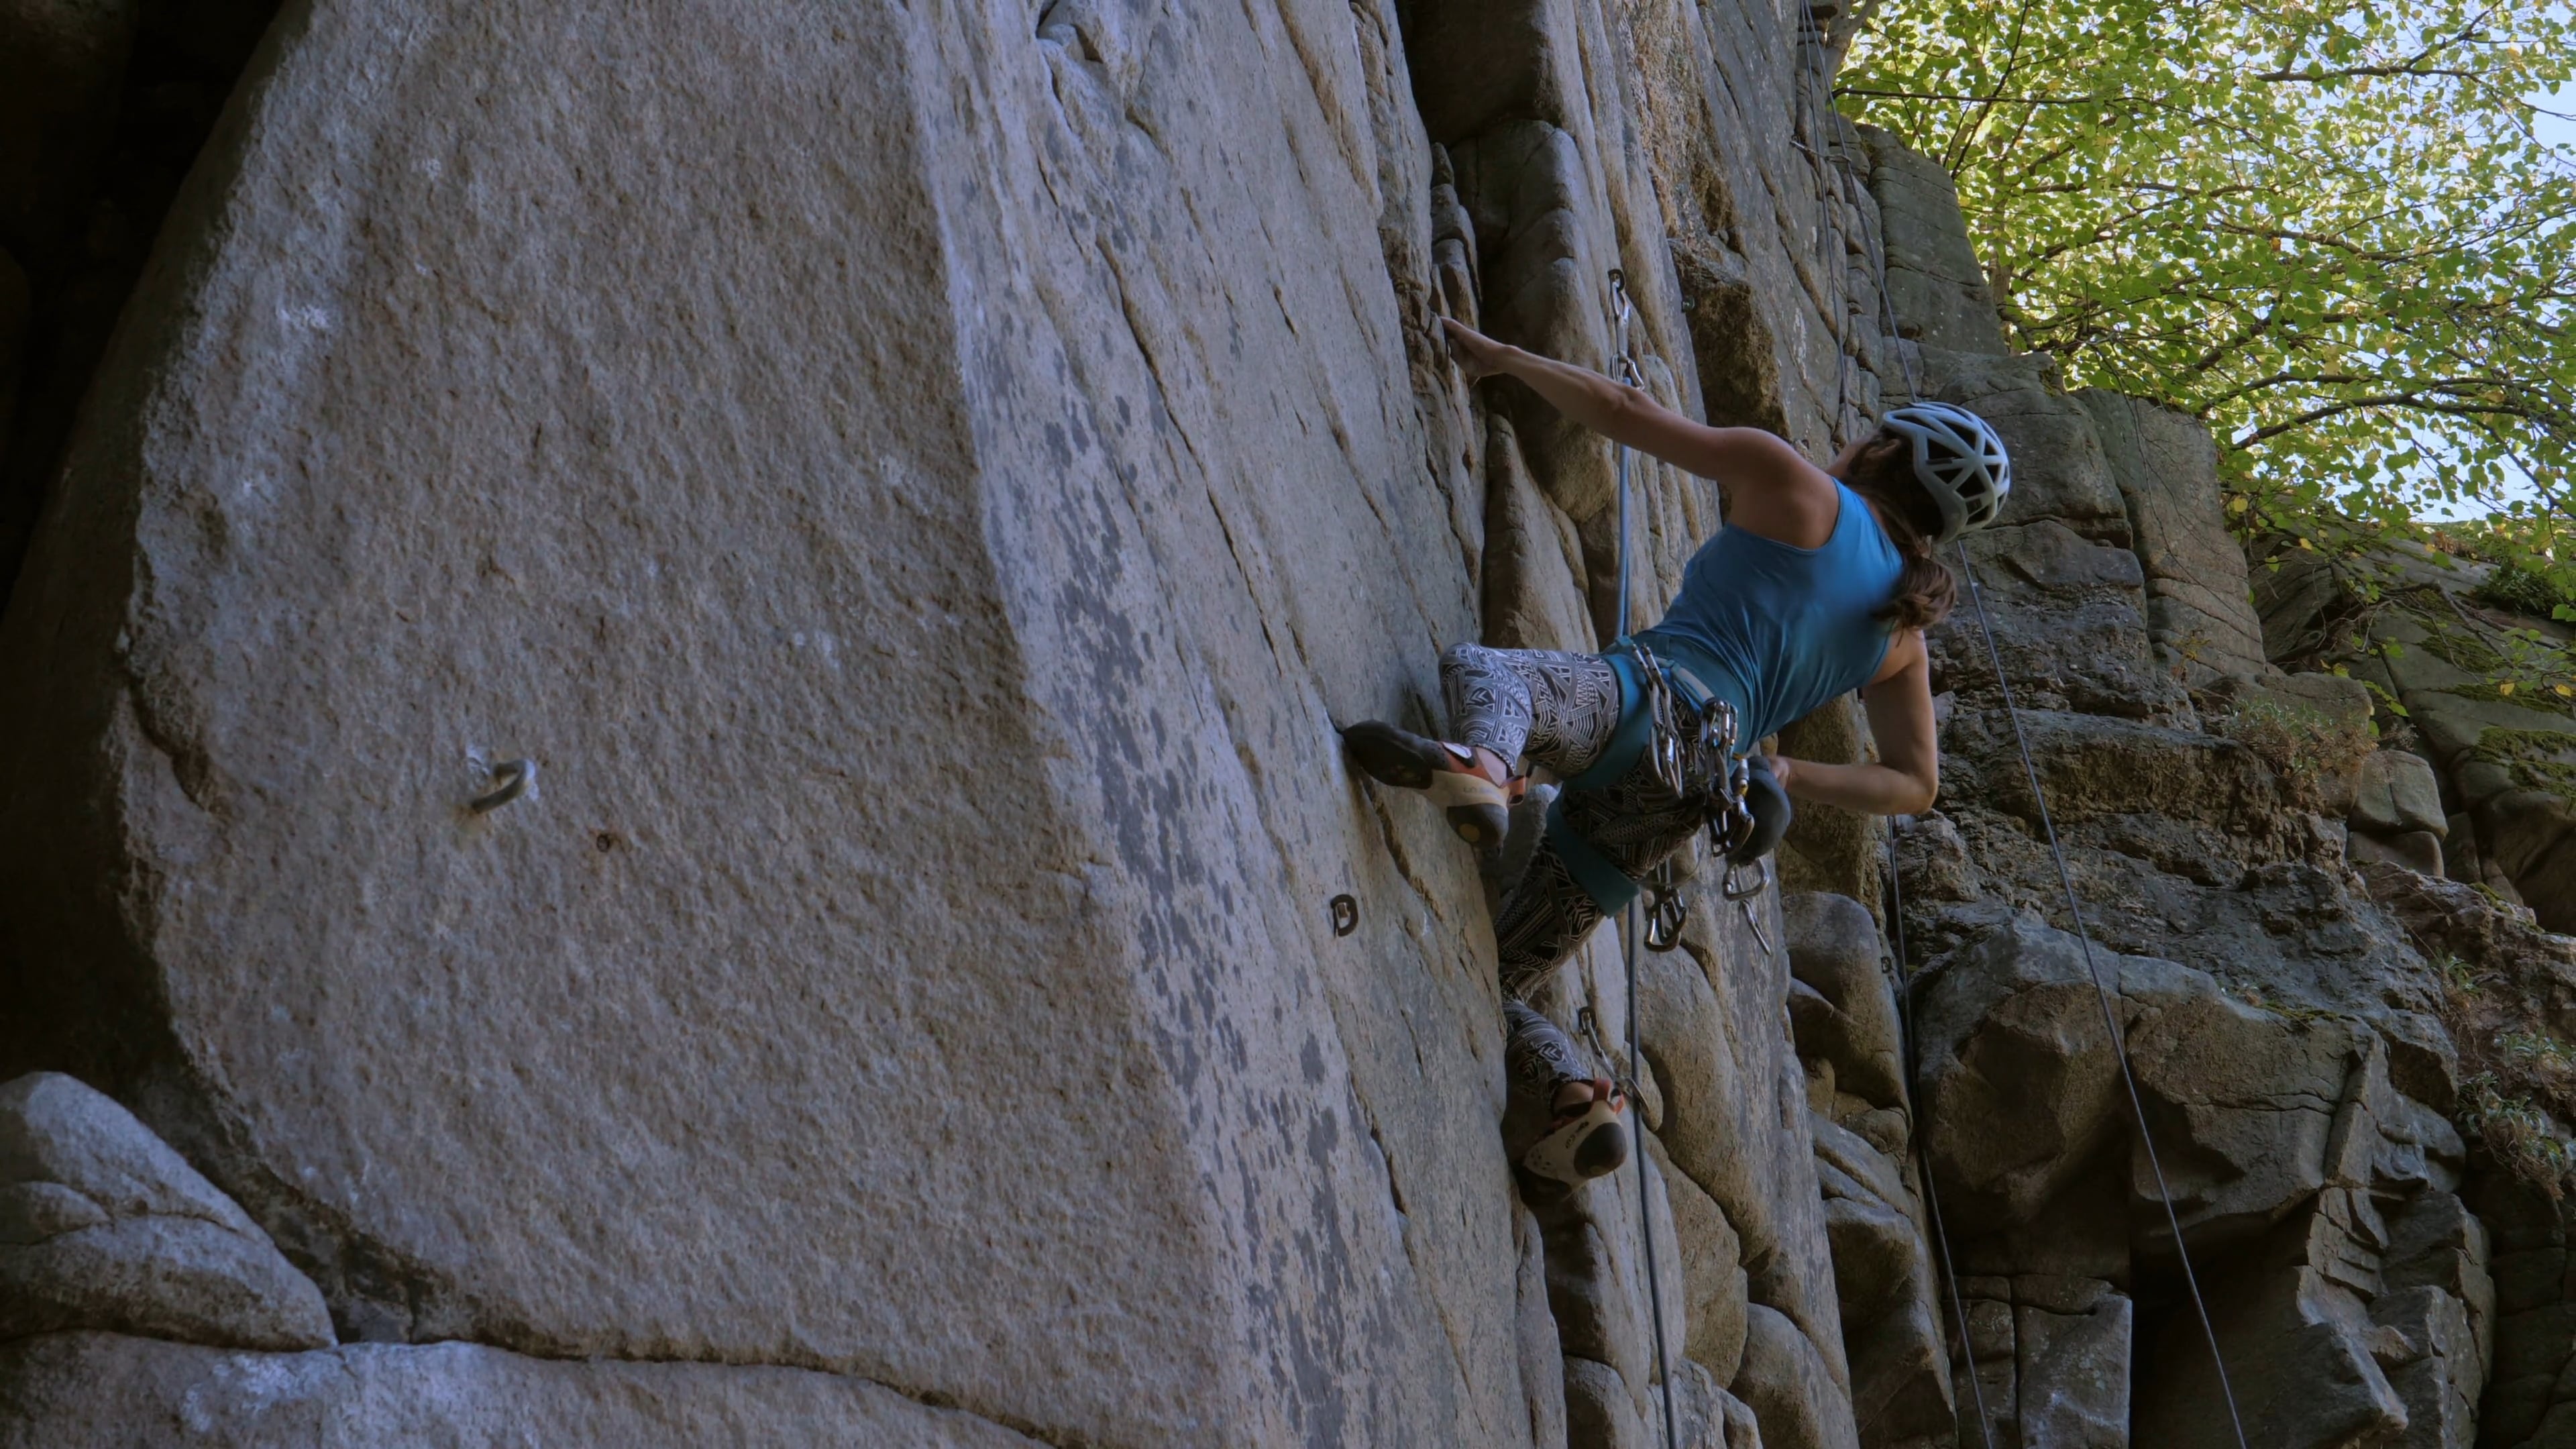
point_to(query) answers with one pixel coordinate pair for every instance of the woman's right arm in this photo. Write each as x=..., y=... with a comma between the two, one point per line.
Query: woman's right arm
x=1906, y=778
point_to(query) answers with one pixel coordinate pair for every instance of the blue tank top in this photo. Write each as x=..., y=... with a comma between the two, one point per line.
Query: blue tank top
x=1780, y=630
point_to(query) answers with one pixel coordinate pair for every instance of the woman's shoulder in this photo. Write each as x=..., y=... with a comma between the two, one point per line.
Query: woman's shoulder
x=1803, y=510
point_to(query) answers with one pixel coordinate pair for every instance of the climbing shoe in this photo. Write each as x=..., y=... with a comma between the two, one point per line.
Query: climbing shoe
x=1583, y=1140
x=1477, y=808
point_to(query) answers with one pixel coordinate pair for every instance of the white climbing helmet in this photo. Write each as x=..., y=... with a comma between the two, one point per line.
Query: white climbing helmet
x=1960, y=461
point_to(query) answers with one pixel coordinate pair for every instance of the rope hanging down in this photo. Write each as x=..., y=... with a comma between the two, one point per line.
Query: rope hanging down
x=1827, y=151
x=2102, y=992
x=1923, y=1154
x=1632, y=927
x=1811, y=84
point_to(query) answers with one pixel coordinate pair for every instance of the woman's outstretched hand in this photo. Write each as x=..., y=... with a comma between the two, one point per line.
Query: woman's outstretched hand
x=1477, y=355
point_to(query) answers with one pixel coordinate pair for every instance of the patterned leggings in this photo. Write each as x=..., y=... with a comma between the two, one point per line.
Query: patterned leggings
x=1559, y=710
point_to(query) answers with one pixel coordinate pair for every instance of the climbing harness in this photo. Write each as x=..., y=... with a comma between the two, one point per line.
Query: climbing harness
x=1685, y=738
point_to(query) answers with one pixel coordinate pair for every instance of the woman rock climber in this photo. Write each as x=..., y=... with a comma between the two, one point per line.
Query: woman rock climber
x=1822, y=582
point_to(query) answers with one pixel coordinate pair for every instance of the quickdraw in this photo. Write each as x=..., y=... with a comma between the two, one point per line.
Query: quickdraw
x=1691, y=751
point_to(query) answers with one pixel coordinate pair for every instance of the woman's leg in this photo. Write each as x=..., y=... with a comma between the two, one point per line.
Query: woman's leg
x=1544, y=917
x=1558, y=710
x=1634, y=822
x=1584, y=1136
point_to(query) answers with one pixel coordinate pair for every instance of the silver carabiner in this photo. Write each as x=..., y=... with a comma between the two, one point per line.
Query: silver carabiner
x=1755, y=921
x=1738, y=893
x=1744, y=896
x=1666, y=914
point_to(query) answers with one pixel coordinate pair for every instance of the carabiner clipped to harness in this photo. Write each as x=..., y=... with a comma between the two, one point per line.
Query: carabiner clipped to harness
x=1745, y=895
x=1667, y=909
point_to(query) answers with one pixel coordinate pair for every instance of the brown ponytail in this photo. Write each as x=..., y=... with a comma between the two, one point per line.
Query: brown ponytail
x=1883, y=473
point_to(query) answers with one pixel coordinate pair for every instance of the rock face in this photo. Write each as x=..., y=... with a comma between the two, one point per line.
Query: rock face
x=93, y=1391
x=676, y=714
x=102, y=1226
x=2496, y=809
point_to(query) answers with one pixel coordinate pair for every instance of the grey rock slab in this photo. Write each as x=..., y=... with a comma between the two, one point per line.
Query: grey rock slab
x=2302, y=1354
x=2089, y=766
x=2070, y=618
x=1705, y=1415
x=2048, y=557
x=1540, y=1354
x=1834, y=948
x=1532, y=580
x=103, y=1391
x=2416, y=850
x=2397, y=793
x=2336, y=697
x=1795, y=1399
x=2452, y=725
x=1711, y=1272
x=2021, y=1087
x=2255, y=1099
x=1529, y=185
x=2166, y=464
x=920, y=491
x=2072, y=1380
x=102, y=1226
x=1737, y=1121
x=2436, y=1365
x=2017, y=1079
x=1601, y=1410
x=1937, y=284
x=1883, y=1283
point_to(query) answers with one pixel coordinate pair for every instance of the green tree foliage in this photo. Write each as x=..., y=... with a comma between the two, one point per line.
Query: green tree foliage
x=2329, y=228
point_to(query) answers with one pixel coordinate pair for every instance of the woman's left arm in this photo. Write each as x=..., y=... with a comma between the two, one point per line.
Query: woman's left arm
x=1907, y=776
x=1739, y=458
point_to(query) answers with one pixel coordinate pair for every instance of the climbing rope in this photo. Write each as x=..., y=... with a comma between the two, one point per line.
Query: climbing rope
x=1840, y=155
x=2102, y=992
x=1632, y=927
x=1923, y=1154
x=1828, y=157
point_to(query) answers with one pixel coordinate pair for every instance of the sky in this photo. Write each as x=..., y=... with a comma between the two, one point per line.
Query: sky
x=2558, y=132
